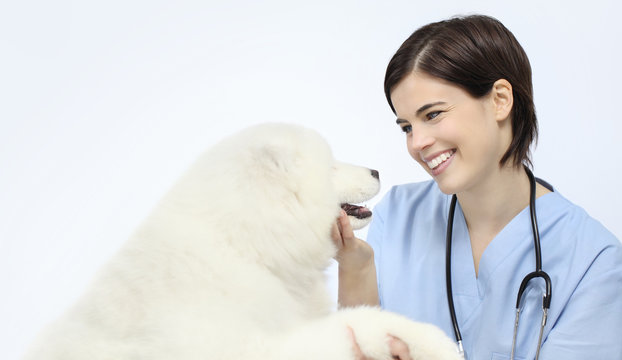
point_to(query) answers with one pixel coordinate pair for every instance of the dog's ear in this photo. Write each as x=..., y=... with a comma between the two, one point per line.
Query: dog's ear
x=276, y=159
x=278, y=167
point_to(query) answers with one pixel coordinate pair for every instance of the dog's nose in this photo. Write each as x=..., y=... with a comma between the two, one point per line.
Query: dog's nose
x=375, y=174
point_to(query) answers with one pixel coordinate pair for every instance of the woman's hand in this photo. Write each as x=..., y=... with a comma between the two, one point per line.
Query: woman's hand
x=353, y=254
x=398, y=349
x=357, y=271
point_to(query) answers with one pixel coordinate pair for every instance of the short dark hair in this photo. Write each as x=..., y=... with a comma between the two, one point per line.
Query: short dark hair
x=473, y=52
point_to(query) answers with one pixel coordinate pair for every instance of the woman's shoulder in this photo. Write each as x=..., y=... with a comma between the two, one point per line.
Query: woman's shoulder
x=571, y=221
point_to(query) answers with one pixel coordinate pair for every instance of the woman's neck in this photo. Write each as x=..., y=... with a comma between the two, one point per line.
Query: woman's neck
x=492, y=203
x=489, y=206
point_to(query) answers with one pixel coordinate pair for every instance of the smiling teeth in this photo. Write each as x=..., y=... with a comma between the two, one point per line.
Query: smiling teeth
x=439, y=159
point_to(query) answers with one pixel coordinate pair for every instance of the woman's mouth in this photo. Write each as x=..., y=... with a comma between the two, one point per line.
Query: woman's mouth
x=440, y=159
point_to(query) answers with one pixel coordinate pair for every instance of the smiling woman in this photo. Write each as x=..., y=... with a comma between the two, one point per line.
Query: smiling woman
x=476, y=130
x=472, y=55
x=462, y=92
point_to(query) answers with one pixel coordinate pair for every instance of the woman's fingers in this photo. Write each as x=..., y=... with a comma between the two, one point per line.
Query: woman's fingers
x=398, y=348
x=352, y=253
x=336, y=230
x=345, y=229
x=358, y=354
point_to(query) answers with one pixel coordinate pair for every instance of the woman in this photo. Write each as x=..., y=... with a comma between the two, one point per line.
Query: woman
x=462, y=93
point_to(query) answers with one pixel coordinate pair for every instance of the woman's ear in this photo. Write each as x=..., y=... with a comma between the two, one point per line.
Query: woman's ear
x=503, y=99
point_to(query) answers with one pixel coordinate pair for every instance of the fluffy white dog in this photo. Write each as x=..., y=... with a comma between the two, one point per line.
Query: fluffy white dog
x=230, y=265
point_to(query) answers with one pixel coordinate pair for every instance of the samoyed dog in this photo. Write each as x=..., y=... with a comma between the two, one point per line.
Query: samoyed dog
x=230, y=265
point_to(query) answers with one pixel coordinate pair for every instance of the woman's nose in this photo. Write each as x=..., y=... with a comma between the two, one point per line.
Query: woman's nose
x=420, y=139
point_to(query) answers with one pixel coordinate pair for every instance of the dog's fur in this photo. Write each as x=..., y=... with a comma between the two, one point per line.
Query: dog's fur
x=230, y=265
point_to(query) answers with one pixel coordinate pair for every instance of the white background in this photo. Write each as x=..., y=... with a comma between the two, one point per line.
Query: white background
x=104, y=104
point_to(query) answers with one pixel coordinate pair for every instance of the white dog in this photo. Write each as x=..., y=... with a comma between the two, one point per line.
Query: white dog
x=230, y=265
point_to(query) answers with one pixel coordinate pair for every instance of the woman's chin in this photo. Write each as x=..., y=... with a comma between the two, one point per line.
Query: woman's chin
x=447, y=187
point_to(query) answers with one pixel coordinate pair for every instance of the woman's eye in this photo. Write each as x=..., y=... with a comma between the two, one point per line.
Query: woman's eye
x=432, y=115
x=407, y=129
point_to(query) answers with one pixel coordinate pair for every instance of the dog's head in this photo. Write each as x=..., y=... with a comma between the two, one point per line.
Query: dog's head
x=276, y=189
x=299, y=162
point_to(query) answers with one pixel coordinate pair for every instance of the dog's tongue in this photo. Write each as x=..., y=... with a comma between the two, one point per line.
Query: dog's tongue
x=359, y=212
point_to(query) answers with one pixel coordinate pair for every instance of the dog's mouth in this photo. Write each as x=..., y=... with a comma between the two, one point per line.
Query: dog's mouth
x=359, y=212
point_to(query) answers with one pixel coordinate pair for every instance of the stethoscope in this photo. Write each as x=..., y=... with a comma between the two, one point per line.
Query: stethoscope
x=538, y=273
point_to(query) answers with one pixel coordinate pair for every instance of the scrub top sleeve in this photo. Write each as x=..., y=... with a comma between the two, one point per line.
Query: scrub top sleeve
x=590, y=325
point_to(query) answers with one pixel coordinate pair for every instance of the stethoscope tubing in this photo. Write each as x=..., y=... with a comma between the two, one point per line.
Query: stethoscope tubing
x=450, y=297
x=538, y=273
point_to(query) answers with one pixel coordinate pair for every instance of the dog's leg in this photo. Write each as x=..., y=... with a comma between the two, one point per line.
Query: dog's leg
x=329, y=338
x=425, y=341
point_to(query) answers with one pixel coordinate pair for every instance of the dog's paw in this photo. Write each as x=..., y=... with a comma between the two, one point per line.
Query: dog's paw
x=372, y=327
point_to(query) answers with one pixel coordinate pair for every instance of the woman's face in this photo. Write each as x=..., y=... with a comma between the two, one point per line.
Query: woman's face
x=455, y=137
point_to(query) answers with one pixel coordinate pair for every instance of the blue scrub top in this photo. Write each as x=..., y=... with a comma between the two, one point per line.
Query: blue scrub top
x=583, y=259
